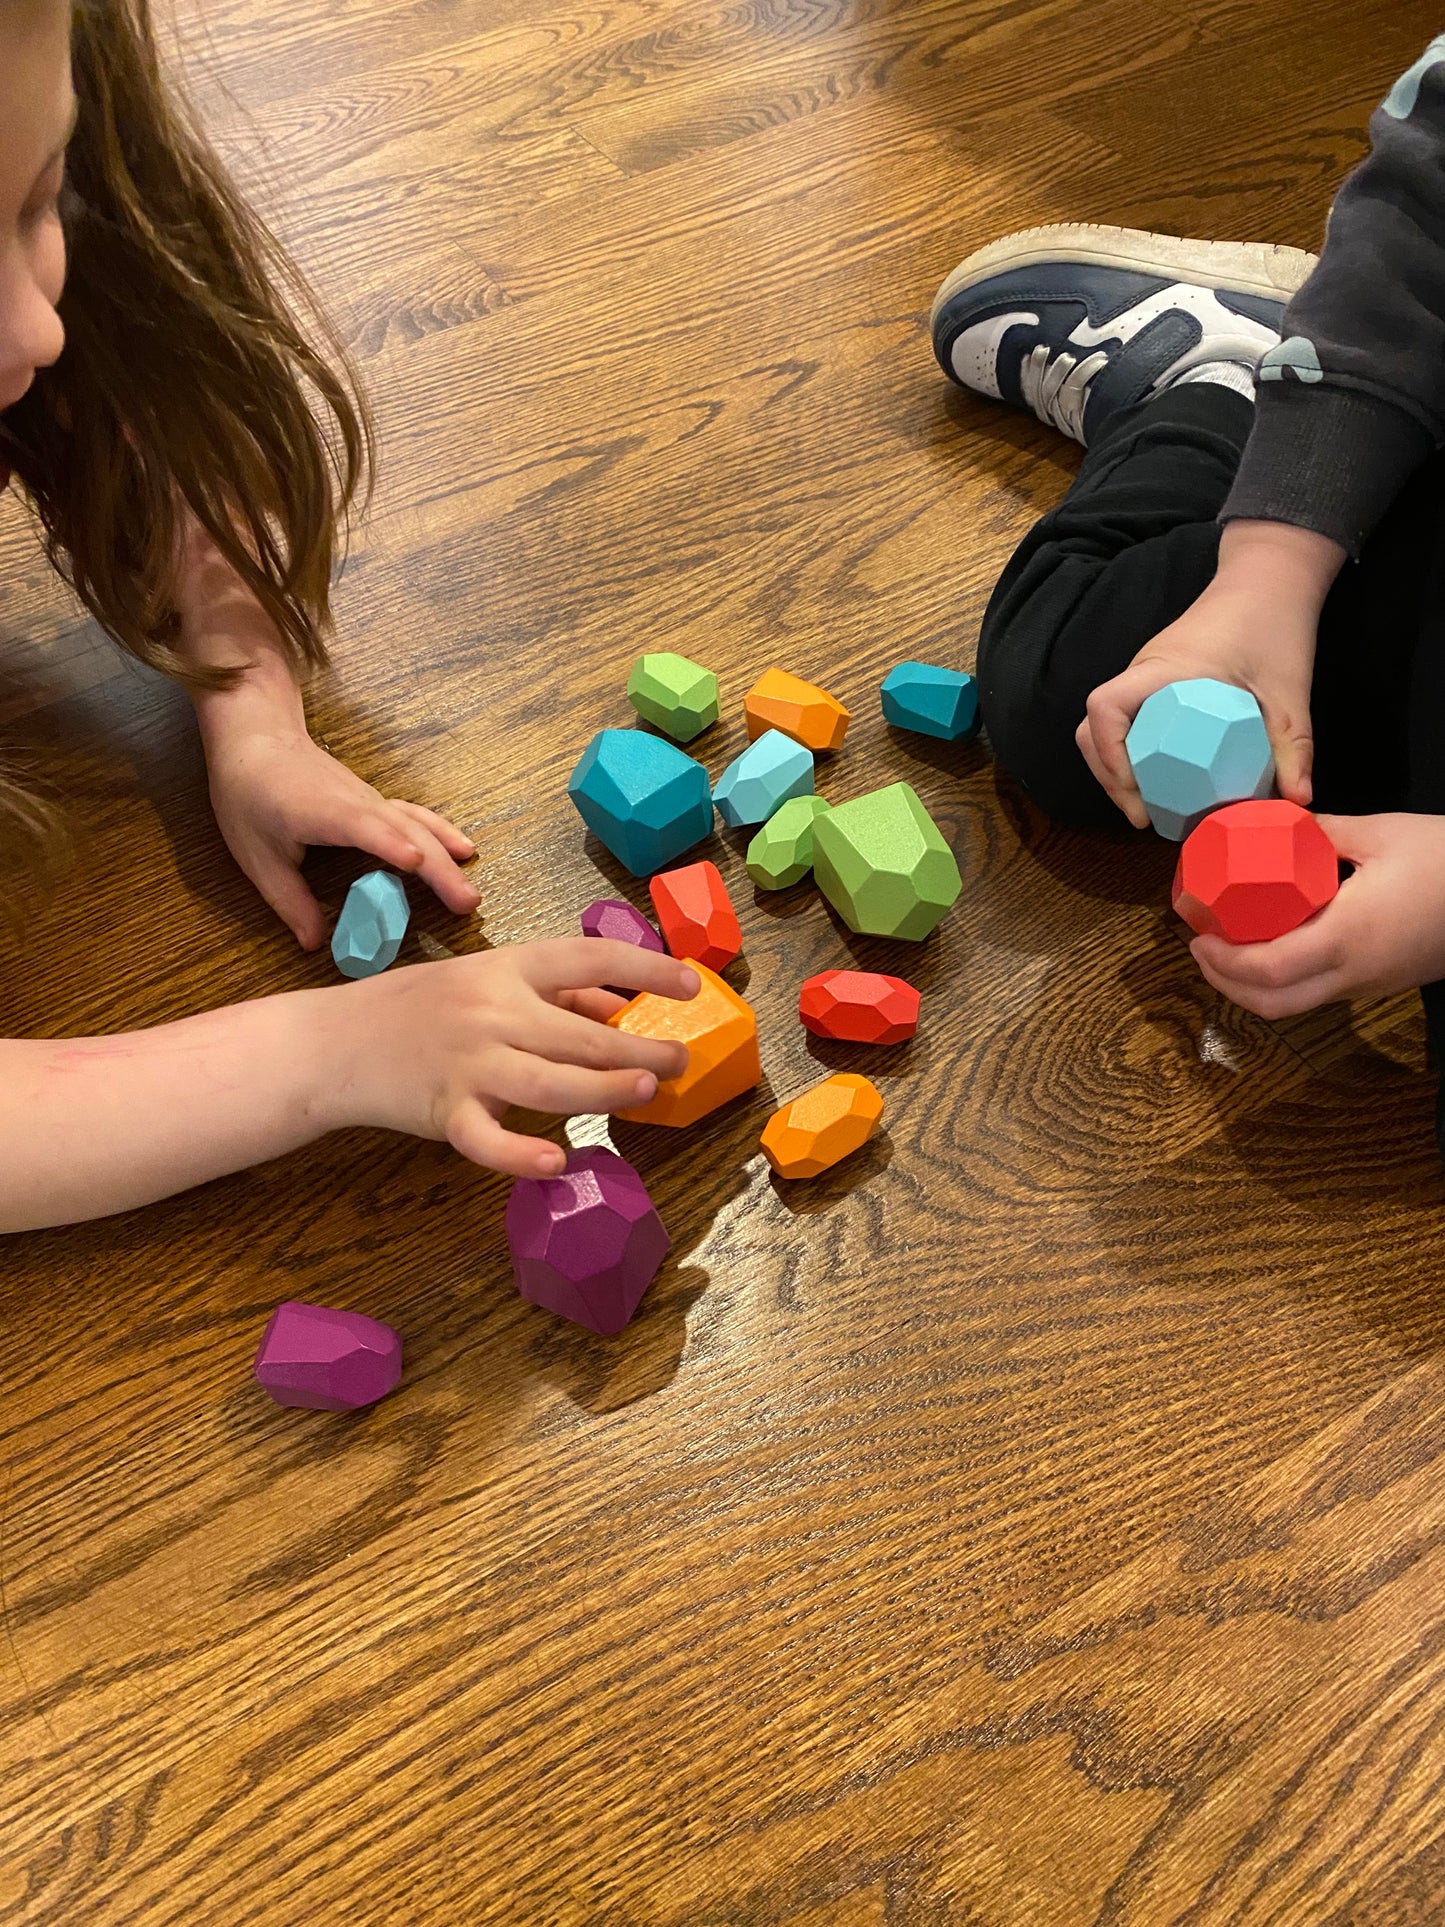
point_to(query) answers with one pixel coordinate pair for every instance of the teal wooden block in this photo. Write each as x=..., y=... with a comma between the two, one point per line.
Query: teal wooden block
x=371, y=926
x=642, y=797
x=931, y=701
x=1196, y=745
x=755, y=785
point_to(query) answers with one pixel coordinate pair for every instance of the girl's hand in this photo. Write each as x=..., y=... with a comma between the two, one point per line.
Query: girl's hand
x=275, y=792
x=442, y=1050
x=1254, y=626
x=1384, y=932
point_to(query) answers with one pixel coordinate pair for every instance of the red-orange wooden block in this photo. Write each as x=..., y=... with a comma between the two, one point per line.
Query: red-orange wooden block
x=696, y=914
x=721, y=1034
x=859, y=1007
x=1255, y=871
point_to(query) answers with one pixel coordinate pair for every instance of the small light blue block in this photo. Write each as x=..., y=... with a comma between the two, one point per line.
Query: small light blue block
x=642, y=797
x=1194, y=746
x=371, y=926
x=931, y=701
x=755, y=785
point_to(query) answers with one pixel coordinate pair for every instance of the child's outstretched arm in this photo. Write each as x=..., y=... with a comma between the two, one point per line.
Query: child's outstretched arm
x=1348, y=405
x=91, y=1126
x=274, y=789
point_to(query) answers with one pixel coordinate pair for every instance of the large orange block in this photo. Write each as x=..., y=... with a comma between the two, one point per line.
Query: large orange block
x=697, y=915
x=823, y=1126
x=721, y=1034
x=799, y=709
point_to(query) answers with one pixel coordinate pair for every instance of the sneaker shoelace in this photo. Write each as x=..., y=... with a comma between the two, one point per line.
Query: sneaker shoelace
x=1056, y=386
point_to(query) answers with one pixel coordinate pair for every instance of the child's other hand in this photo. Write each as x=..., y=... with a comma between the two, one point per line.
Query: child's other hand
x=1384, y=932
x=275, y=793
x=443, y=1050
x=1254, y=626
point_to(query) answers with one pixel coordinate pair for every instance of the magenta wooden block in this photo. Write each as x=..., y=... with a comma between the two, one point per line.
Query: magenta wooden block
x=610, y=917
x=328, y=1361
x=587, y=1244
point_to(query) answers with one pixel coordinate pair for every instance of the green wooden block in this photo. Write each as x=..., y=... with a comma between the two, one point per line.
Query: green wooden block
x=782, y=851
x=883, y=865
x=674, y=694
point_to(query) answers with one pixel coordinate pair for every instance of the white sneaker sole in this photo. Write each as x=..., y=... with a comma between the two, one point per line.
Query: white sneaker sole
x=1241, y=267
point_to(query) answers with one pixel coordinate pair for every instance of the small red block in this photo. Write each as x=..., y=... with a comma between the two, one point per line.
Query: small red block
x=859, y=1007
x=1255, y=871
x=696, y=914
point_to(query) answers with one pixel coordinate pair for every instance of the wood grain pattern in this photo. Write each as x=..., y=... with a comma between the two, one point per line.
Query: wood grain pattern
x=1035, y=1522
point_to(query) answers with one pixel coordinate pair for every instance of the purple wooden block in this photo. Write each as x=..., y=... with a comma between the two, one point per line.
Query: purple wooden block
x=586, y=1244
x=612, y=918
x=329, y=1361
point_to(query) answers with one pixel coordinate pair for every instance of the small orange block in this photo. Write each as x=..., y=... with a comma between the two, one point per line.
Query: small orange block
x=697, y=915
x=721, y=1034
x=823, y=1126
x=799, y=709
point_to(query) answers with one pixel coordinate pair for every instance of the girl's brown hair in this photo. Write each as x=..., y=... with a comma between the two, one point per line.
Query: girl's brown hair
x=187, y=381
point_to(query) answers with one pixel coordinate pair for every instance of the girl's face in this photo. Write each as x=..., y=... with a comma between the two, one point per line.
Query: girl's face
x=37, y=109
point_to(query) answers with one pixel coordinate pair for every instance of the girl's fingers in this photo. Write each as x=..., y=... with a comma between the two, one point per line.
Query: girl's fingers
x=1310, y=951
x=536, y=1084
x=1356, y=838
x=1308, y=994
x=419, y=853
x=284, y=888
x=599, y=1005
x=477, y=1135
x=455, y=842
x=565, y=1038
x=587, y=963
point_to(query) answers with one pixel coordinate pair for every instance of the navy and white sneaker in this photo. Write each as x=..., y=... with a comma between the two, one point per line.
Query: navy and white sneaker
x=1074, y=322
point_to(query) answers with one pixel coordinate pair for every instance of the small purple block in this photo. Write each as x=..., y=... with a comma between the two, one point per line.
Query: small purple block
x=587, y=1244
x=328, y=1361
x=610, y=917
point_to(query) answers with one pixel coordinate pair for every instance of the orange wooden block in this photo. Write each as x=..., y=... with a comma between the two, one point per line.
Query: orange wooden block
x=721, y=1034
x=823, y=1126
x=799, y=709
x=697, y=915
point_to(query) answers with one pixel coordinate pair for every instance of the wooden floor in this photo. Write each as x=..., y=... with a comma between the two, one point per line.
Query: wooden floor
x=1039, y=1521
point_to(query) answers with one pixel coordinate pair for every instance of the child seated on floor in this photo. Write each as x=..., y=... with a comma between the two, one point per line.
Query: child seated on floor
x=190, y=494
x=1262, y=502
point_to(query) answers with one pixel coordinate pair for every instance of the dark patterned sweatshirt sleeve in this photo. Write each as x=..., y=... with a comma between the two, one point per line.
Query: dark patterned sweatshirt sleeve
x=1353, y=399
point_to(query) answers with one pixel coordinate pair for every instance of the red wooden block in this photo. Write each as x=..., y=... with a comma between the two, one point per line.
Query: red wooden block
x=696, y=914
x=1254, y=871
x=859, y=1007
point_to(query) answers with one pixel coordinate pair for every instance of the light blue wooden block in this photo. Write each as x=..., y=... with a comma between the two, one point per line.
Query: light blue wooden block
x=755, y=785
x=1195, y=746
x=371, y=926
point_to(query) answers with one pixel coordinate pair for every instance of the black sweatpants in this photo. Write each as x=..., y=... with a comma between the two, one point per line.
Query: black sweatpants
x=1133, y=544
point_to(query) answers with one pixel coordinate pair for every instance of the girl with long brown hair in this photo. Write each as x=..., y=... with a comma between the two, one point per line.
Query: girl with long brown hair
x=191, y=458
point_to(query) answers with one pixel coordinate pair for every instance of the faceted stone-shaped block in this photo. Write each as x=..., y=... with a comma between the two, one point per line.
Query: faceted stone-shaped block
x=1254, y=871
x=587, y=1243
x=799, y=709
x=371, y=926
x=859, y=1007
x=673, y=693
x=931, y=701
x=721, y=1034
x=823, y=1126
x=755, y=785
x=882, y=863
x=328, y=1361
x=618, y=922
x=696, y=914
x=1194, y=746
x=642, y=797
x=782, y=851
